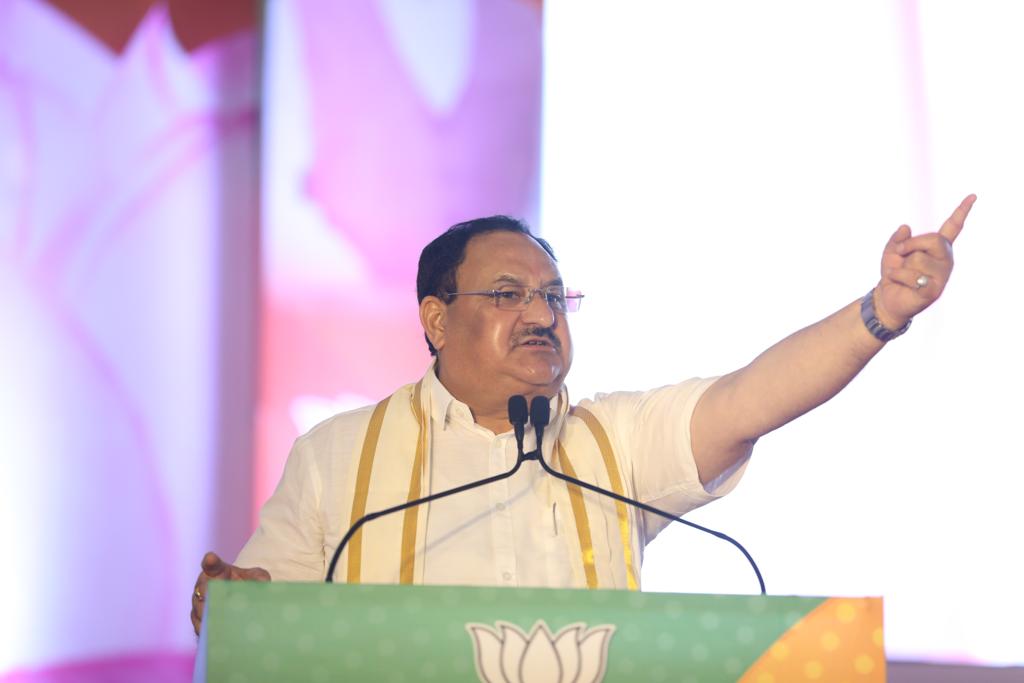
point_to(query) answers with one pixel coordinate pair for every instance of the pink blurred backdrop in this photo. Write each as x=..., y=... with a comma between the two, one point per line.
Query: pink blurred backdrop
x=142, y=355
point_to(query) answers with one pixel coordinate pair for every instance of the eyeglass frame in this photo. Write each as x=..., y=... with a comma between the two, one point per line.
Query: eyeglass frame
x=576, y=297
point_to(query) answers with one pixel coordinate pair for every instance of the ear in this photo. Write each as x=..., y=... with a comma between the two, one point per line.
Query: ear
x=434, y=319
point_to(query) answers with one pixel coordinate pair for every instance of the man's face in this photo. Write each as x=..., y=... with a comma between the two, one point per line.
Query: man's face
x=495, y=353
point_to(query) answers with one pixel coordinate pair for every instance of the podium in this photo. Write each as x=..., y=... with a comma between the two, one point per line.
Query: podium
x=336, y=632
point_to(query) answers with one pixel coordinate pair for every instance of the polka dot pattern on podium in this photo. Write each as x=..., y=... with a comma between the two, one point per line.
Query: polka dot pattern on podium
x=840, y=640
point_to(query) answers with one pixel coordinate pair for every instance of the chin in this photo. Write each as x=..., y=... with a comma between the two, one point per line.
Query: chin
x=547, y=376
x=532, y=385
x=548, y=387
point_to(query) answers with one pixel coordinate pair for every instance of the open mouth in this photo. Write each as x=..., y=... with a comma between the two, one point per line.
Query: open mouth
x=537, y=343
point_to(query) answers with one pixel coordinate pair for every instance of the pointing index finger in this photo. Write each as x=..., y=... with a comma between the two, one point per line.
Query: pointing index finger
x=955, y=223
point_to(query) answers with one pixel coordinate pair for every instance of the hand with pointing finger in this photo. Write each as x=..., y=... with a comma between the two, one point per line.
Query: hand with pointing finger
x=216, y=569
x=915, y=270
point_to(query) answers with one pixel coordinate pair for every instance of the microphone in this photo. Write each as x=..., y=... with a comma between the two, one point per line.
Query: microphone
x=516, y=415
x=540, y=412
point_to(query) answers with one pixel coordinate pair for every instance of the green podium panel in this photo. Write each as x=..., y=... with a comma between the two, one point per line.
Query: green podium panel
x=337, y=632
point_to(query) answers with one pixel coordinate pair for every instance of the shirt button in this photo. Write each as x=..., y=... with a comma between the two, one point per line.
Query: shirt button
x=500, y=506
x=507, y=576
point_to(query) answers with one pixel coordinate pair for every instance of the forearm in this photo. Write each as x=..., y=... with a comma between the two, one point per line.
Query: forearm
x=792, y=377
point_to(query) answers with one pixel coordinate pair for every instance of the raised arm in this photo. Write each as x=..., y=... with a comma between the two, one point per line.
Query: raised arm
x=812, y=365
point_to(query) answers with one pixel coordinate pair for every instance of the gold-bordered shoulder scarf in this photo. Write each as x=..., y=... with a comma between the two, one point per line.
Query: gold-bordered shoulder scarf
x=396, y=448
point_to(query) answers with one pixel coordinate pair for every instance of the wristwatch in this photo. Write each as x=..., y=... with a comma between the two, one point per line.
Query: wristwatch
x=874, y=325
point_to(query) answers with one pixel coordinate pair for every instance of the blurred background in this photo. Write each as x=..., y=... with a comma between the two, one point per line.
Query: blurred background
x=210, y=215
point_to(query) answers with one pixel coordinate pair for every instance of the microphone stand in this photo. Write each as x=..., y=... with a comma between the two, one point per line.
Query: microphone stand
x=539, y=416
x=517, y=415
x=369, y=517
x=661, y=513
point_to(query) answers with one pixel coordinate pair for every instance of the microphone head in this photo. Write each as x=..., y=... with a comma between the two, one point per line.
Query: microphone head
x=517, y=410
x=540, y=412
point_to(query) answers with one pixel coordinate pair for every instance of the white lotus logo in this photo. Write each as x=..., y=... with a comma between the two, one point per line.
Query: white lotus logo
x=506, y=654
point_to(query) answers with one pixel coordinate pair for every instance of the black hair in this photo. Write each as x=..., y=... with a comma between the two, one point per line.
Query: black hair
x=440, y=259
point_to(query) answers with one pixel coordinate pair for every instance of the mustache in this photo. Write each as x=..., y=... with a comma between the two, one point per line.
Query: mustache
x=538, y=331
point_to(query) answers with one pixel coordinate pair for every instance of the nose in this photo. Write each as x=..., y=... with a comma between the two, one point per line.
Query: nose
x=538, y=311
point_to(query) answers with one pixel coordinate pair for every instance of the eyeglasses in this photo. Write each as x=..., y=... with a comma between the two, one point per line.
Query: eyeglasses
x=518, y=298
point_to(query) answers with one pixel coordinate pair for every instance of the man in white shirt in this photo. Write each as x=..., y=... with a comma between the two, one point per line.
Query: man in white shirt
x=494, y=311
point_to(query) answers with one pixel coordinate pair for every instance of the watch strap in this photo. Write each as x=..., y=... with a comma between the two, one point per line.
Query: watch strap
x=874, y=325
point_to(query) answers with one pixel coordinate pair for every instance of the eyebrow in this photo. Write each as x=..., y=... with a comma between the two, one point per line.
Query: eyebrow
x=508, y=279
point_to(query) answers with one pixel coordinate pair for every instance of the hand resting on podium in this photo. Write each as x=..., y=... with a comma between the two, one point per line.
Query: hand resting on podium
x=218, y=570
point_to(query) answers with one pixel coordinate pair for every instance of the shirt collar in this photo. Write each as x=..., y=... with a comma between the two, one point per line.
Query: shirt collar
x=442, y=404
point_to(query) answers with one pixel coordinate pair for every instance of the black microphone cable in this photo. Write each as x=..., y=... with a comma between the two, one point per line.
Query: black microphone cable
x=540, y=414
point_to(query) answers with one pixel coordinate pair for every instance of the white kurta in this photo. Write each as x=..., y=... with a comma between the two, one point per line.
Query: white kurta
x=516, y=532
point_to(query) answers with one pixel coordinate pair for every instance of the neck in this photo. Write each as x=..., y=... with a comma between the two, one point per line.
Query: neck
x=488, y=410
